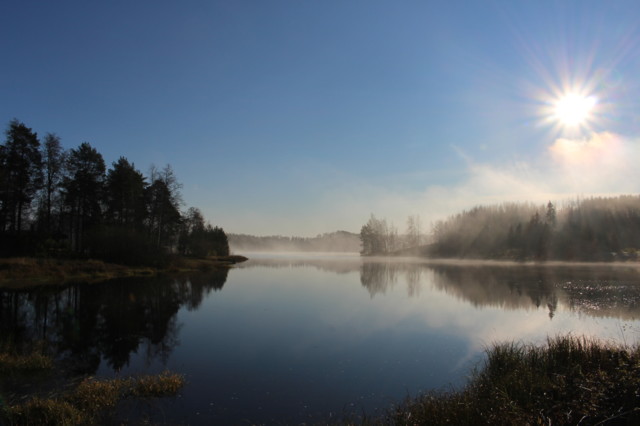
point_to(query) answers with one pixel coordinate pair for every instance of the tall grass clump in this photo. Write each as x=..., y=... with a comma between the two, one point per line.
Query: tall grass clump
x=43, y=411
x=14, y=361
x=24, y=363
x=90, y=401
x=163, y=384
x=567, y=381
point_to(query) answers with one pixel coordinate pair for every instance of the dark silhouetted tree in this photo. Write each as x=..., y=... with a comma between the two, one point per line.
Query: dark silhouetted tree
x=53, y=161
x=125, y=196
x=83, y=193
x=164, y=217
x=191, y=230
x=22, y=175
x=200, y=239
x=219, y=243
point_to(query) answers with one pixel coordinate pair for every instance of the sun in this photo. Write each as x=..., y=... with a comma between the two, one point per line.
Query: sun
x=574, y=109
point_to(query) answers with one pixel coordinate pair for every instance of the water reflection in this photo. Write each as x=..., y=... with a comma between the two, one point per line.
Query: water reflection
x=601, y=290
x=83, y=324
x=307, y=336
x=336, y=263
x=596, y=290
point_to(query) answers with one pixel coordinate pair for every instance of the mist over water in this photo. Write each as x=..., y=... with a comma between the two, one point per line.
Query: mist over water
x=296, y=337
x=600, y=289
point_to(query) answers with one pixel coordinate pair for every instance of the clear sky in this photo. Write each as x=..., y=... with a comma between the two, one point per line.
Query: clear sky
x=304, y=117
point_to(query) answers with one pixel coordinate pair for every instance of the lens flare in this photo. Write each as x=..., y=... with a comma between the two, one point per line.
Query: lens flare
x=573, y=109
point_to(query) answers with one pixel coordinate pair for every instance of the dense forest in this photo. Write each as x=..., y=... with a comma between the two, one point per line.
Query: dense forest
x=56, y=202
x=339, y=241
x=592, y=229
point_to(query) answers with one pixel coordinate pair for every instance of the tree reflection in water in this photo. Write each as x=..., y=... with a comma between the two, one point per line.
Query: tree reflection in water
x=611, y=290
x=83, y=323
x=596, y=290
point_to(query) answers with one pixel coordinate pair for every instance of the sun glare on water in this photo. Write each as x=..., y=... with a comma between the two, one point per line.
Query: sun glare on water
x=574, y=110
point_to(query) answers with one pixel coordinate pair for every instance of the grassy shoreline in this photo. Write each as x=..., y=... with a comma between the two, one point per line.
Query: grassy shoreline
x=567, y=381
x=24, y=272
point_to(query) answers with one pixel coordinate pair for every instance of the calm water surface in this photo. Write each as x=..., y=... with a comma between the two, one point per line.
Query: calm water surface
x=293, y=338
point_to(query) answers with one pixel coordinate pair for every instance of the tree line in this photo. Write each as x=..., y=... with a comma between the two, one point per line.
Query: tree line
x=57, y=202
x=592, y=229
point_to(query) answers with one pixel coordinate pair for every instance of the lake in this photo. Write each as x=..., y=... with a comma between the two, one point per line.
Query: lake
x=291, y=338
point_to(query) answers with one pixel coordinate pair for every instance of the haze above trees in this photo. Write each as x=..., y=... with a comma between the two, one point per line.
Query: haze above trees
x=339, y=241
x=592, y=229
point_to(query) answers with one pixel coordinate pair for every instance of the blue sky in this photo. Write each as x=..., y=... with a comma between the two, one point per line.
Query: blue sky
x=303, y=117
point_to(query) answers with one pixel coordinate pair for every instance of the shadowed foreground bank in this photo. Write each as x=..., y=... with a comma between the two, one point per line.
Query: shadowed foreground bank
x=91, y=401
x=568, y=381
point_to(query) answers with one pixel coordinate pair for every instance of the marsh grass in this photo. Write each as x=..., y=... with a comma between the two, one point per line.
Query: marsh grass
x=29, y=272
x=39, y=411
x=569, y=380
x=163, y=384
x=91, y=400
x=14, y=361
x=31, y=362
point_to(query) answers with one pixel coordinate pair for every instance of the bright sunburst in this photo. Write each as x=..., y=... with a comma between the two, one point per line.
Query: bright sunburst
x=573, y=109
